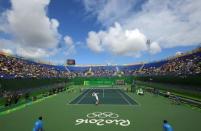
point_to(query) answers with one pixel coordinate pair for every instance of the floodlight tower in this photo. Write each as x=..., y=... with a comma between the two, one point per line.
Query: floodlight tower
x=148, y=43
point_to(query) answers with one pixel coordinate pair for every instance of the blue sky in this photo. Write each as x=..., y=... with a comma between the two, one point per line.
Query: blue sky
x=99, y=32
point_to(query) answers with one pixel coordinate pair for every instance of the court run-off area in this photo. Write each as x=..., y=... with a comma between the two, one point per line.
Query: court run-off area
x=60, y=114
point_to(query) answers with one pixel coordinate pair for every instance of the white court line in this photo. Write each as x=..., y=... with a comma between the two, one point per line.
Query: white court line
x=103, y=105
x=83, y=96
x=124, y=97
x=138, y=103
x=103, y=93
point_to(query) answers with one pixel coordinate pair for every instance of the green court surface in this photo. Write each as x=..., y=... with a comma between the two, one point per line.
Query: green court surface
x=60, y=114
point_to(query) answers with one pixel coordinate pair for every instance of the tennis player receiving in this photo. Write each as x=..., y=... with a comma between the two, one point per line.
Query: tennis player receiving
x=96, y=96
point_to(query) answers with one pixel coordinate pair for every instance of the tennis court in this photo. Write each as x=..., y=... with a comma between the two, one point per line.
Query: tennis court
x=75, y=110
x=106, y=96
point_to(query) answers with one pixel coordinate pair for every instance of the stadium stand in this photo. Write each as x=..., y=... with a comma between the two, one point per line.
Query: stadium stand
x=14, y=67
x=188, y=64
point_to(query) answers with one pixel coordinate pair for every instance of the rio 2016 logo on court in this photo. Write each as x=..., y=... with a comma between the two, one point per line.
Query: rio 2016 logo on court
x=103, y=118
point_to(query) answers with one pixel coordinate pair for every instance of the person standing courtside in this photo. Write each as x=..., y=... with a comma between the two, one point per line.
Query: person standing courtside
x=167, y=126
x=38, y=126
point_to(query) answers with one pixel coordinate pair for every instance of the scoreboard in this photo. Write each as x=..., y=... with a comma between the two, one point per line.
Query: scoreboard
x=70, y=62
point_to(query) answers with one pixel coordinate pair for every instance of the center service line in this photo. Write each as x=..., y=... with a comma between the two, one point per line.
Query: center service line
x=103, y=93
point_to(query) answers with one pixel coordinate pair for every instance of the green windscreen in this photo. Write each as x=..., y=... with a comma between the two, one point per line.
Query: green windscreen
x=98, y=82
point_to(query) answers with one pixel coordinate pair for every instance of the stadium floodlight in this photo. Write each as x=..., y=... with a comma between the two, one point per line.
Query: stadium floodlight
x=148, y=43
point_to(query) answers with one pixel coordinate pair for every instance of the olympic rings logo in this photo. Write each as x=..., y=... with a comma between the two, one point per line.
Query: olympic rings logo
x=102, y=115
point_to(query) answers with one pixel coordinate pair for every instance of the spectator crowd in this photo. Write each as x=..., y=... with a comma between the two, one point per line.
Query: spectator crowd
x=13, y=67
x=186, y=64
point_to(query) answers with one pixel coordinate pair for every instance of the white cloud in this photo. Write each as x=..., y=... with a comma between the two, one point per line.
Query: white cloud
x=4, y=43
x=9, y=51
x=12, y=47
x=170, y=23
x=178, y=53
x=32, y=52
x=7, y=45
x=94, y=41
x=29, y=23
x=108, y=11
x=154, y=48
x=68, y=40
x=117, y=41
x=34, y=33
x=70, y=45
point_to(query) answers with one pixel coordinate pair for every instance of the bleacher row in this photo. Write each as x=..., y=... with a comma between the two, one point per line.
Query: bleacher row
x=14, y=67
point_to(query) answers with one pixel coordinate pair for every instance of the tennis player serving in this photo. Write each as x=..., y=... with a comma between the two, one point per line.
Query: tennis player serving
x=96, y=97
